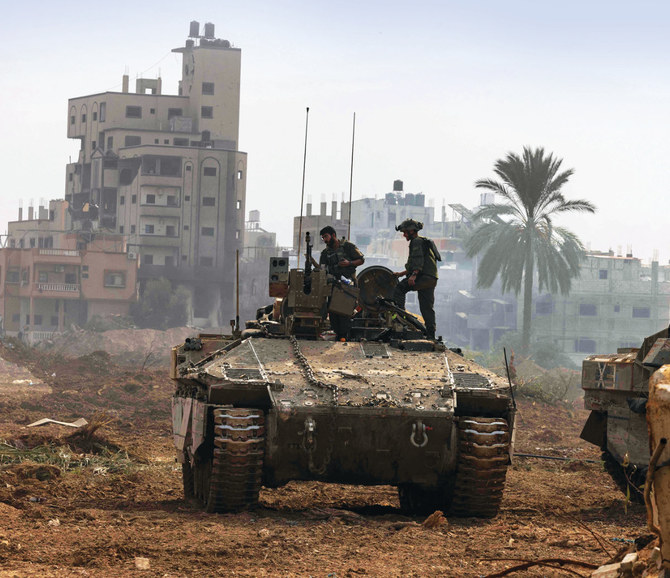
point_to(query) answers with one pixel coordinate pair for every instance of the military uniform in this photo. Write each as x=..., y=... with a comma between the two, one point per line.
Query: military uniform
x=330, y=258
x=422, y=258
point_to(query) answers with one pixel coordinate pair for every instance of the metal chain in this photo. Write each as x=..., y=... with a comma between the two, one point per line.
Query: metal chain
x=309, y=372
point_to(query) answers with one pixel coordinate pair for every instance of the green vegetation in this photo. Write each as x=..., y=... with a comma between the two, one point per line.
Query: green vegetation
x=517, y=239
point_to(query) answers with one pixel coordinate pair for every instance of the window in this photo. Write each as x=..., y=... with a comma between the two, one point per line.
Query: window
x=121, y=229
x=585, y=345
x=73, y=119
x=13, y=276
x=171, y=201
x=207, y=231
x=208, y=201
x=16, y=317
x=170, y=230
x=174, y=112
x=184, y=257
x=641, y=312
x=115, y=279
x=54, y=320
x=169, y=261
x=617, y=308
x=70, y=177
x=206, y=261
x=122, y=200
x=185, y=227
x=237, y=234
x=588, y=309
x=83, y=117
x=132, y=229
x=70, y=278
x=43, y=277
x=166, y=141
x=239, y=204
x=188, y=168
x=133, y=199
x=187, y=197
x=156, y=141
x=544, y=308
x=151, y=199
x=95, y=116
x=209, y=171
x=94, y=145
x=239, y=175
x=207, y=112
x=132, y=141
x=37, y=319
x=602, y=274
x=103, y=111
x=149, y=229
x=208, y=88
x=133, y=112
x=180, y=142
x=152, y=111
x=148, y=259
x=110, y=142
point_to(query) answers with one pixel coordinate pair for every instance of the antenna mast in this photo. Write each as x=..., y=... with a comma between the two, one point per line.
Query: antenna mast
x=351, y=175
x=302, y=196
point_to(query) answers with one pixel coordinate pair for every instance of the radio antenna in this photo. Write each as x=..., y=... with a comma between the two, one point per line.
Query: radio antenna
x=351, y=175
x=302, y=196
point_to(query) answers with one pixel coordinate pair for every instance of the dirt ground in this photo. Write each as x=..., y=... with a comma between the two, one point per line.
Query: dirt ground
x=111, y=504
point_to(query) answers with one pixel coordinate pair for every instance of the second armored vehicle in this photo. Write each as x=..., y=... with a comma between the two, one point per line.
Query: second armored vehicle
x=284, y=401
x=616, y=389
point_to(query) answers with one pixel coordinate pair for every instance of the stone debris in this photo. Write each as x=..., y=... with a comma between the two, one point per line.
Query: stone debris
x=142, y=563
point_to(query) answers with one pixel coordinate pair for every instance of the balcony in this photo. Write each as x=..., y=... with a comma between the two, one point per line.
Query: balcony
x=59, y=252
x=57, y=287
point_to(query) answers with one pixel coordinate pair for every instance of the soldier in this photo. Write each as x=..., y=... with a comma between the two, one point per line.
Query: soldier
x=340, y=259
x=420, y=273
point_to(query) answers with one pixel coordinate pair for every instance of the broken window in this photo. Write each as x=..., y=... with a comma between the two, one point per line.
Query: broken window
x=133, y=112
x=115, y=279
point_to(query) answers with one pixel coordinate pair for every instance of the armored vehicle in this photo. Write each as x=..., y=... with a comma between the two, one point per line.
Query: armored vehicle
x=616, y=389
x=283, y=400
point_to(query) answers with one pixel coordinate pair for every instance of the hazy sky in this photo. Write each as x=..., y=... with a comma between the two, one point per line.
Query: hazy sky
x=441, y=89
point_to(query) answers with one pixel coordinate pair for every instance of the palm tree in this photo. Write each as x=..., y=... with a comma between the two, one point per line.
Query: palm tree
x=518, y=237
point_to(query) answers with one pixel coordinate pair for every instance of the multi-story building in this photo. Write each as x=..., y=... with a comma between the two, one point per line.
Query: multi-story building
x=616, y=302
x=165, y=172
x=52, y=277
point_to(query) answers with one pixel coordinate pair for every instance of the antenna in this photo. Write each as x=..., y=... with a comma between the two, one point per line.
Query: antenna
x=302, y=196
x=351, y=175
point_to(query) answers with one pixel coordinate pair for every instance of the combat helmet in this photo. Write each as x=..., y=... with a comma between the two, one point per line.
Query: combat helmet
x=410, y=224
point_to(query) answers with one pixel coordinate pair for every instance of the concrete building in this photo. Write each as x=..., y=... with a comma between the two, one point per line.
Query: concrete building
x=52, y=277
x=165, y=172
x=616, y=302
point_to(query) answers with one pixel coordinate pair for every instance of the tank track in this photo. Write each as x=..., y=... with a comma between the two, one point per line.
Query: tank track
x=237, y=464
x=630, y=480
x=483, y=456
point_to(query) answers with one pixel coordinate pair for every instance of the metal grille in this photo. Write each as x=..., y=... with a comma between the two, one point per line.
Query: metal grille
x=471, y=380
x=243, y=374
x=375, y=349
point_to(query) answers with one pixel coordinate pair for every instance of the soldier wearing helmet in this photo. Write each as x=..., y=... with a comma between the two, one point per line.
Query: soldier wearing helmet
x=420, y=273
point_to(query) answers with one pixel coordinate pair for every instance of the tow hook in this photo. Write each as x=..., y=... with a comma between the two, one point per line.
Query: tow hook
x=418, y=429
x=309, y=439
